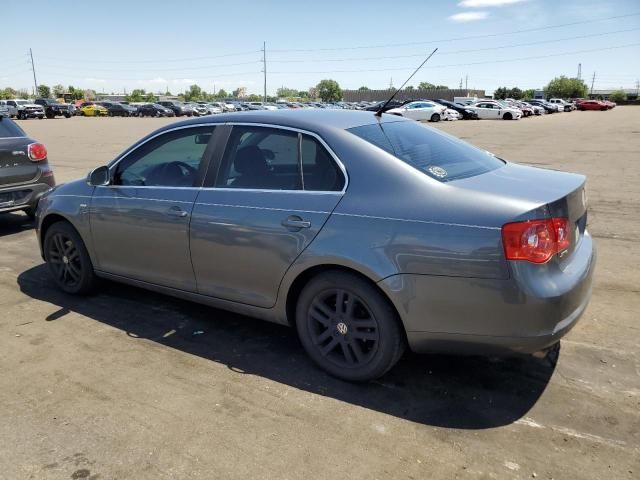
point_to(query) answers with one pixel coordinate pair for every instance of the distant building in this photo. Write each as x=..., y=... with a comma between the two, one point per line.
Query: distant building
x=632, y=93
x=538, y=94
x=380, y=95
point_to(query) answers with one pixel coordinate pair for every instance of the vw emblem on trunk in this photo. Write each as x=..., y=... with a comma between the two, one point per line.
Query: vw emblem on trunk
x=438, y=171
x=342, y=328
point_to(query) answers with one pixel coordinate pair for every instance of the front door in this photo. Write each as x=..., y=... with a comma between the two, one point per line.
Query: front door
x=140, y=222
x=274, y=190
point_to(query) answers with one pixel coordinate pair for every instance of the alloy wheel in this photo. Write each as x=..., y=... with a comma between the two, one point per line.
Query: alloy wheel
x=64, y=257
x=343, y=328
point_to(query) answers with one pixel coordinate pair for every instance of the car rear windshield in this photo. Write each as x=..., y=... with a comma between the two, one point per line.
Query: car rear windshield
x=9, y=129
x=437, y=154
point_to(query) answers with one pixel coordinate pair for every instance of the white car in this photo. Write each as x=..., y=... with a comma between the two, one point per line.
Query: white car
x=450, y=115
x=228, y=107
x=215, y=107
x=420, y=110
x=491, y=110
x=562, y=105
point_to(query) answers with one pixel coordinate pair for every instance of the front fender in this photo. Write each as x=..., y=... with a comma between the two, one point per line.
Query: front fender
x=70, y=202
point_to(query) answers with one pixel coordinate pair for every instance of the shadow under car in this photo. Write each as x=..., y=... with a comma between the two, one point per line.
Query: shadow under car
x=437, y=390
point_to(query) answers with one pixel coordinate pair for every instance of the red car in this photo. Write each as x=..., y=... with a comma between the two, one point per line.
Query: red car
x=592, y=105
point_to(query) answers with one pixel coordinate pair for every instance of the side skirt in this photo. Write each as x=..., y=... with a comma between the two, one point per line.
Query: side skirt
x=268, y=314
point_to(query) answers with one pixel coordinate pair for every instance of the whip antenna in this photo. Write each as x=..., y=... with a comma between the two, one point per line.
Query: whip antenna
x=381, y=109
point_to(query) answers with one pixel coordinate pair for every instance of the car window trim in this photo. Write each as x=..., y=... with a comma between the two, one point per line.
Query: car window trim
x=202, y=168
x=210, y=183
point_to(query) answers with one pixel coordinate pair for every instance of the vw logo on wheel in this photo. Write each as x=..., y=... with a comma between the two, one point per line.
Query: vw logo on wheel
x=342, y=328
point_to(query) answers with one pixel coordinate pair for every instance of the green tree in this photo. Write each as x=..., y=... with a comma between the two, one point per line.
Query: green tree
x=8, y=93
x=442, y=87
x=563, y=87
x=409, y=88
x=57, y=90
x=618, y=96
x=529, y=93
x=222, y=93
x=44, y=91
x=363, y=89
x=515, y=93
x=254, y=98
x=426, y=86
x=501, y=93
x=193, y=94
x=136, y=95
x=329, y=91
x=284, y=92
x=150, y=97
x=303, y=94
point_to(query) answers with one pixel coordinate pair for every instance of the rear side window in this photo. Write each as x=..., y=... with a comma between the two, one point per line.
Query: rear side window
x=8, y=129
x=319, y=171
x=434, y=153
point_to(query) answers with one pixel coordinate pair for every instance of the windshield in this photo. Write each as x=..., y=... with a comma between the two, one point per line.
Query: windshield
x=437, y=154
x=22, y=102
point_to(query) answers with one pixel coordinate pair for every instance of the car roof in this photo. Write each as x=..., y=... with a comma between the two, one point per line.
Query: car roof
x=304, y=119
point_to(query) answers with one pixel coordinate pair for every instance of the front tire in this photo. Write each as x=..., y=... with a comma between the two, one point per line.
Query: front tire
x=68, y=260
x=507, y=116
x=348, y=328
x=435, y=117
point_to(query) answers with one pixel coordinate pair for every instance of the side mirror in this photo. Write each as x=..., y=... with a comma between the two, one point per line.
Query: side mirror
x=99, y=177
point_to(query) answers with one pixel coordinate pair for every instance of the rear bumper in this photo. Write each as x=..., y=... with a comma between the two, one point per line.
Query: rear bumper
x=25, y=196
x=523, y=314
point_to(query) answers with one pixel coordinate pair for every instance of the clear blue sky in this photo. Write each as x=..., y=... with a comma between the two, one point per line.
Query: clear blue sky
x=112, y=45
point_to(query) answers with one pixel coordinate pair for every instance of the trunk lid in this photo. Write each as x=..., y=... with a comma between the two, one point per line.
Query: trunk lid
x=15, y=166
x=536, y=193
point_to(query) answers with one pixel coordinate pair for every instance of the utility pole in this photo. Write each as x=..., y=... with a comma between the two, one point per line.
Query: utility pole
x=579, y=77
x=33, y=68
x=637, y=88
x=466, y=83
x=593, y=80
x=460, y=87
x=264, y=67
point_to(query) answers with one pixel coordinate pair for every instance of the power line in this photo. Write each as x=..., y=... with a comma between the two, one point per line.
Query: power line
x=178, y=69
x=485, y=62
x=455, y=52
x=440, y=40
x=229, y=74
x=186, y=59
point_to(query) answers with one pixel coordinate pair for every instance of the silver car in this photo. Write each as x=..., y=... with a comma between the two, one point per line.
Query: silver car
x=365, y=234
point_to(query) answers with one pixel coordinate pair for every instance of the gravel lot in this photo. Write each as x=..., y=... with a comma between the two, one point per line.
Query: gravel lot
x=117, y=386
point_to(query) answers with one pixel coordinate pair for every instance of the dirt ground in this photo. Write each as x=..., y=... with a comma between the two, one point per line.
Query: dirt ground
x=120, y=386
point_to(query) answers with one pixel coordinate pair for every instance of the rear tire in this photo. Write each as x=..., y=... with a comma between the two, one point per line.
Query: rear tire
x=68, y=260
x=348, y=328
x=435, y=117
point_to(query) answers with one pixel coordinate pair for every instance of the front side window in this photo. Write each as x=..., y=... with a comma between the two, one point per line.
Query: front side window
x=170, y=160
x=434, y=153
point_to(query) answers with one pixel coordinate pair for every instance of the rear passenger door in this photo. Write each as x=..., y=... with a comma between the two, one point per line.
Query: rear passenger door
x=272, y=192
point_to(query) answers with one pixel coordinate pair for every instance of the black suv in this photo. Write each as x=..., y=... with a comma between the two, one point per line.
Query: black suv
x=178, y=108
x=53, y=108
x=118, y=109
x=25, y=174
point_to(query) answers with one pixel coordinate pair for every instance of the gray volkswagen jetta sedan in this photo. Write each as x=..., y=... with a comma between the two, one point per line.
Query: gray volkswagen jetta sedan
x=366, y=234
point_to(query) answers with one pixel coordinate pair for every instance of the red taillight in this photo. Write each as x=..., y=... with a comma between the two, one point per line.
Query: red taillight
x=535, y=240
x=37, y=152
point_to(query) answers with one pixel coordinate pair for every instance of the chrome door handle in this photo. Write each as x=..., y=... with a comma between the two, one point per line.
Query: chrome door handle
x=295, y=221
x=176, y=212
